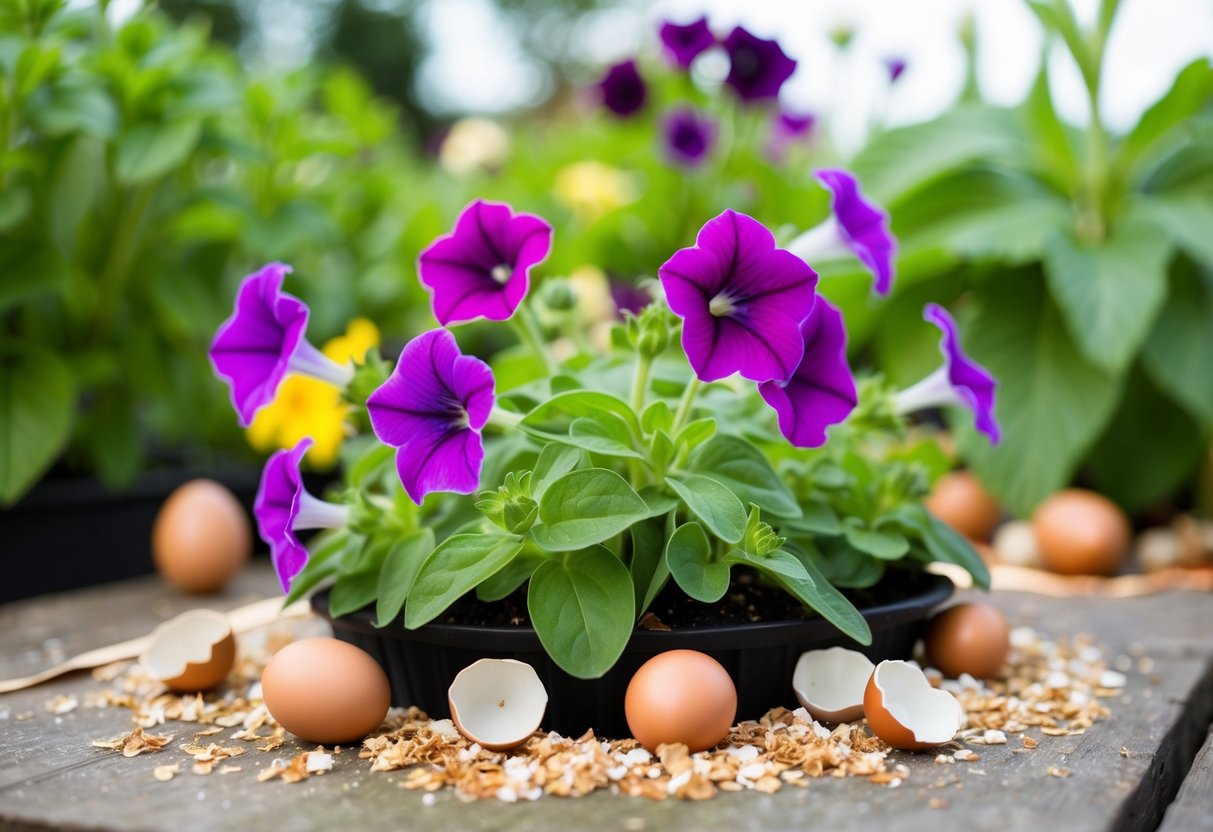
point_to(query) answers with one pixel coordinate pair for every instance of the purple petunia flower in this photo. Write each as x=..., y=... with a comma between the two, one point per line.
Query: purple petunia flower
x=262, y=341
x=689, y=136
x=822, y=390
x=628, y=297
x=786, y=129
x=895, y=67
x=482, y=268
x=283, y=506
x=685, y=42
x=431, y=410
x=741, y=300
x=622, y=89
x=960, y=381
x=757, y=67
x=856, y=226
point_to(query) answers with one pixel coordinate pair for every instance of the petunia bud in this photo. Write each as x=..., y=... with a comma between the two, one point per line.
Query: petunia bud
x=760, y=539
x=649, y=332
x=511, y=506
x=558, y=295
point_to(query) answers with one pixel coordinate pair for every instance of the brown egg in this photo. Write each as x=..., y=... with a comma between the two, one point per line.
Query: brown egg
x=325, y=691
x=681, y=696
x=906, y=712
x=1081, y=533
x=201, y=537
x=192, y=652
x=959, y=500
x=971, y=638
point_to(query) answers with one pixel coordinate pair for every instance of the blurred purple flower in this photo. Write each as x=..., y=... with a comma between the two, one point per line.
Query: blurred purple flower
x=960, y=381
x=483, y=267
x=628, y=298
x=262, y=341
x=895, y=67
x=685, y=42
x=787, y=129
x=822, y=390
x=622, y=89
x=741, y=300
x=856, y=226
x=283, y=506
x=757, y=67
x=431, y=409
x=689, y=136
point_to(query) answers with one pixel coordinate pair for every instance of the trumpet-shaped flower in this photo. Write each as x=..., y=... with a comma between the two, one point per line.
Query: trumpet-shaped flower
x=263, y=340
x=482, y=269
x=857, y=226
x=787, y=129
x=308, y=407
x=757, y=66
x=689, y=136
x=431, y=409
x=741, y=300
x=283, y=506
x=960, y=381
x=622, y=89
x=822, y=390
x=895, y=67
x=685, y=42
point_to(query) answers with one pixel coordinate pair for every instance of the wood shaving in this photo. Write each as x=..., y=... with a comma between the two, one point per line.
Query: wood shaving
x=1057, y=771
x=166, y=773
x=134, y=743
x=62, y=704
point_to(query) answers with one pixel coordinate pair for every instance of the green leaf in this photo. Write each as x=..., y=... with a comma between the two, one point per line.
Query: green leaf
x=657, y=416
x=886, y=545
x=69, y=109
x=648, y=566
x=816, y=593
x=1189, y=93
x=586, y=507
x=1177, y=353
x=77, y=181
x=658, y=501
x=400, y=567
x=695, y=433
x=151, y=150
x=453, y=569
x=555, y=460
x=324, y=555
x=550, y=420
x=1149, y=451
x=713, y=503
x=841, y=565
x=738, y=465
x=688, y=556
x=1051, y=139
x=1186, y=217
x=516, y=572
x=1052, y=404
x=1111, y=293
x=603, y=433
x=37, y=404
x=1057, y=16
x=582, y=609
x=945, y=545
x=15, y=203
x=816, y=518
x=778, y=564
x=351, y=593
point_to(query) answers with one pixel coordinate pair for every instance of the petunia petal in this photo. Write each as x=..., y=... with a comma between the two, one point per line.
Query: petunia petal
x=275, y=508
x=418, y=393
x=757, y=67
x=441, y=461
x=863, y=225
x=975, y=386
x=252, y=349
x=685, y=42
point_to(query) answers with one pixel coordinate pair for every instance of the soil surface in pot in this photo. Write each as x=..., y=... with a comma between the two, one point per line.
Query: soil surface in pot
x=748, y=600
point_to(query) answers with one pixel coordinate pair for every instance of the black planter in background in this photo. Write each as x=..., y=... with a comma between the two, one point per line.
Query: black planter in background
x=760, y=656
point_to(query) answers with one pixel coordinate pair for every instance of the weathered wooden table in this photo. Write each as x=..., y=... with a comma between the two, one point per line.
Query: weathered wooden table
x=1150, y=764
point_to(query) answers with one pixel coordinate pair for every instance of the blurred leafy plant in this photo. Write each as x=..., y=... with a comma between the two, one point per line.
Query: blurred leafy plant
x=1084, y=267
x=137, y=163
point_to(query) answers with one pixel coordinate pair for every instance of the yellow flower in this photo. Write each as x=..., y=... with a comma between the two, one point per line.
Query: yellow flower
x=591, y=189
x=474, y=144
x=309, y=407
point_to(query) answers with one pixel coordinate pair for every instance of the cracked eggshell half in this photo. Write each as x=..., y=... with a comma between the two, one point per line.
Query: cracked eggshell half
x=906, y=712
x=497, y=703
x=830, y=684
x=192, y=652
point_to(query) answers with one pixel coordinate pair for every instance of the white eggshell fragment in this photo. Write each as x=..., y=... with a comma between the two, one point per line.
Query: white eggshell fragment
x=497, y=703
x=906, y=712
x=192, y=652
x=830, y=683
x=1015, y=544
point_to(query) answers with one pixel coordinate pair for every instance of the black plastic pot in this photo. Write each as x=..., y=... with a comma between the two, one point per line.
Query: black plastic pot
x=759, y=656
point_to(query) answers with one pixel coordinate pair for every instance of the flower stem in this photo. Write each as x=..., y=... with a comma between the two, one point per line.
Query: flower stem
x=640, y=383
x=503, y=419
x=684, y=405
x=524, y=323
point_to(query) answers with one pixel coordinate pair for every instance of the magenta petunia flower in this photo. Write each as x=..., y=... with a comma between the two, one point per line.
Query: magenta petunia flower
x=482, y=268
x=689, y=136
x=960, y=381
x=857, y=226
x=757, y=67
x=787, y=129
x=741, y=300
x=623, y=90
x=629, y=297
x=895, y=67
x=431, y=409
x=262, y=341
x=685, y=42
x=283, y=506
x=822, y=390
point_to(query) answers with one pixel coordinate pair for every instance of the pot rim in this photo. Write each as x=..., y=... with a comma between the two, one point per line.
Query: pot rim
x=936, y=590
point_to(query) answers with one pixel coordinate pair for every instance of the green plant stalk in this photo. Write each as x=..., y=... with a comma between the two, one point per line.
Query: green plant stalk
x=1092, y=218
x=640, y=383
x=527, y=328
x=684, y=405
x=119, y=260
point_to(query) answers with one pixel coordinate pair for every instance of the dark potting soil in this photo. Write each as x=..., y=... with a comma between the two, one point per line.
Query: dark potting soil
x=747, y=600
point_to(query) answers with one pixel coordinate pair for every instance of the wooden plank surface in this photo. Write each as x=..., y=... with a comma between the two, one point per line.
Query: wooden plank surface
x=1125, y=770
x=1192, y=810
